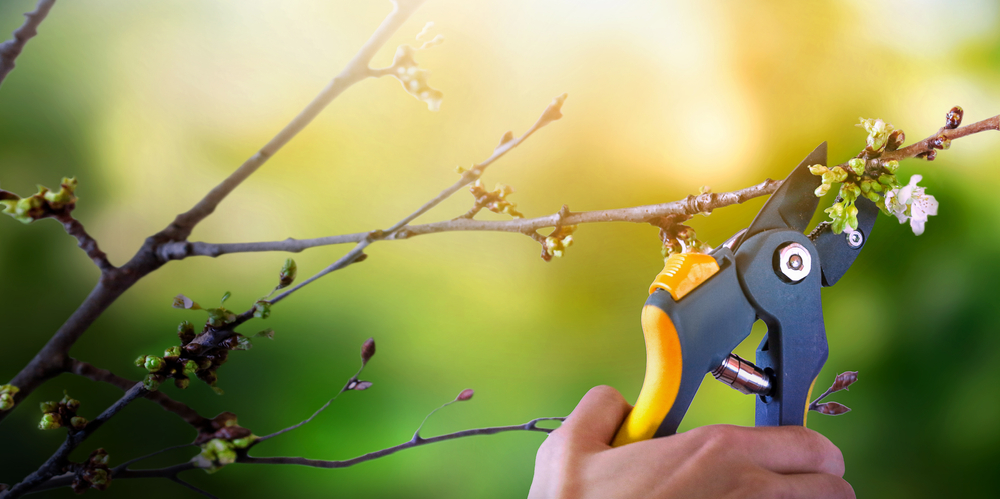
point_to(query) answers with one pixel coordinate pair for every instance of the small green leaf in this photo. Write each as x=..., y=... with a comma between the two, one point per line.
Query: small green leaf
x=267, y=333
x=225, y=297
x=288, y=272
x=262, y=309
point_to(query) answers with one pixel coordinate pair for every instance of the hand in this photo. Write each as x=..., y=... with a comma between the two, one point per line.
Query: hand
x=577, y=462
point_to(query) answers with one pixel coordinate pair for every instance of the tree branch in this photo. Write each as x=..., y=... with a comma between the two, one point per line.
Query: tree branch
x=185, y=412
x=413, y=442
x=87, y=243
x=926, y=145
x=57, y=462
x=356, y=70
x=12, y=48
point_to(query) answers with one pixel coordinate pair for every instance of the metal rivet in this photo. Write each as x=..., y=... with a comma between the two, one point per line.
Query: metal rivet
x=794, y=261
x=855, y=239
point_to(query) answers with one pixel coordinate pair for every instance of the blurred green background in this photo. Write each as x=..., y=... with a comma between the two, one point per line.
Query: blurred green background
x=150, y=104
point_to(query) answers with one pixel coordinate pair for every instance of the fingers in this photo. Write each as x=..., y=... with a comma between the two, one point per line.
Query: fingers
x=812, y=486
x=780, y=449
x=597, y=417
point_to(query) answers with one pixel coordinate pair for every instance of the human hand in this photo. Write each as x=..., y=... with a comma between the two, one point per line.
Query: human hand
x=576, y=461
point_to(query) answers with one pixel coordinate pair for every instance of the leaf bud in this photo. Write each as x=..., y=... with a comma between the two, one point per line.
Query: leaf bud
x=140, y=361
x=185, y=331
x=78, y=422
x=262, y=309
x=50, y=421
x=48, y=406
x=288, y=273
x=891, y=166
x=941, y=142
x=154, y=363
x=857, y=164
x=954, y=117
x=367, y=350
x=174, y=351
x=190, y=367
x=6, y=402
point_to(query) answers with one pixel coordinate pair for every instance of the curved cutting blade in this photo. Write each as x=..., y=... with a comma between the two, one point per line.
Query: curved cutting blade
x=794, y=203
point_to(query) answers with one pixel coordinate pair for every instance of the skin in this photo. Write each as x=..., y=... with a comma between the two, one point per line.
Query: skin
x=719, y=461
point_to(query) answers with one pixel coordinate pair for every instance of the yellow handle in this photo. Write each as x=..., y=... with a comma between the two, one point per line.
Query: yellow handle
x=662, y=382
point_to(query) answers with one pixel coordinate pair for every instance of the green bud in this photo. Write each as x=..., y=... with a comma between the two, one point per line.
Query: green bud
x=838, y=225
x=889, y=180
x=140, y=361
x=891, y=166
x=174, y=351
x=818, y=169
x=262, y=309
x=866, y=185
x=873, y=196
x=6, y=401
x=154, y=363
x=99, y=477
x=852, y=216
x=243, y=443
x=182, y=383
x=48, y=406
x=857, y=164
x=288, y=273
x=822, y=190
x=218, y=317
x=204, y=363
x=50, y=421
x=877, y=187
x=829, y=177
x=225, y=297
x=152, y=382
x=190, y=367
x=99, y=457
x=78, y=422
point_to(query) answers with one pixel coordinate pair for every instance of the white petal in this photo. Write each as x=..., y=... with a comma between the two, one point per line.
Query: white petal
x=914, y=179
x=917, y=226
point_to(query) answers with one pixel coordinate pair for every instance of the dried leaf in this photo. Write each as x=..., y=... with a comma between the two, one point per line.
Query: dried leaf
x=181, y=301
x=844, y=381
x=360, y=385
x=831, y=408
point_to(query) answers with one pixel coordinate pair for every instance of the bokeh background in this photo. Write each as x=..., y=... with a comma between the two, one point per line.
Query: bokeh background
x=150, y=104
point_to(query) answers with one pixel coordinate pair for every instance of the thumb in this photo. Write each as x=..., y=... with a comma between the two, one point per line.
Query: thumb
x=597, y=417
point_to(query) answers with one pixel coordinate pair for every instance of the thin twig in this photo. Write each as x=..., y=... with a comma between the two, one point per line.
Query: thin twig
x=124, y=466
x=92, y=372
x=12, y=48
x=508, y=142
x=87, y=243
x=413, y=442
x=192, y=487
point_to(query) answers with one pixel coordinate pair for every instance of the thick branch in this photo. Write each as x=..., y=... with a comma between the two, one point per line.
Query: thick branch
x=414, y=442
x=356, y=70
x=12, y=48
x=186, y=413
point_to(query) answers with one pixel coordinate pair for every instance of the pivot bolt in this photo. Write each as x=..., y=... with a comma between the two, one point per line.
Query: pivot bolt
x=855, y=239
x=794, y=261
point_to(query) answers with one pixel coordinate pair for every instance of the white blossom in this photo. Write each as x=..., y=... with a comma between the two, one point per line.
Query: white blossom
x=910, y=202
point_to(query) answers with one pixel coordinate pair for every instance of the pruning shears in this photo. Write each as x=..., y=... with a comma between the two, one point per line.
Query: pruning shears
x=702, y=306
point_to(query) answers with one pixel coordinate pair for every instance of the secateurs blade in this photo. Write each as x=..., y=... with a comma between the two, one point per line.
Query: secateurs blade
x=702, y=306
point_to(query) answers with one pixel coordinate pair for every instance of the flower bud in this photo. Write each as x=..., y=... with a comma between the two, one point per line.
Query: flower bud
x=50, y=421
x=857, y=164
x=152, y=382
x=78, y=422
x=140, y=361
x=6, y=401
x=889, y=180
x=891, y=166
x=822, y=190
x=367, y=350
x=818, y=169
x=954, y=117
x=174, y=351
x=154, y=363
x=243, y=443
x=185, y=331
x=941, y=142
x=190, y=367
x=872, y=195
x=182, y=383
x=48, y=406
x=465, y=394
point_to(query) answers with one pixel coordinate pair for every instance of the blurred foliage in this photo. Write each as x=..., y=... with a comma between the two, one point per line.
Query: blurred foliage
x=150, y=104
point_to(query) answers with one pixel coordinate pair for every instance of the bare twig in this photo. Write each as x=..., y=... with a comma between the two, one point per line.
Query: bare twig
x=356, y=70
x=508, y=142
x=413, y=442
x=192, y=487
x=87, y=243
x=927, y=145
x=638, y=214
x=186, y=413
x=12, y=48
